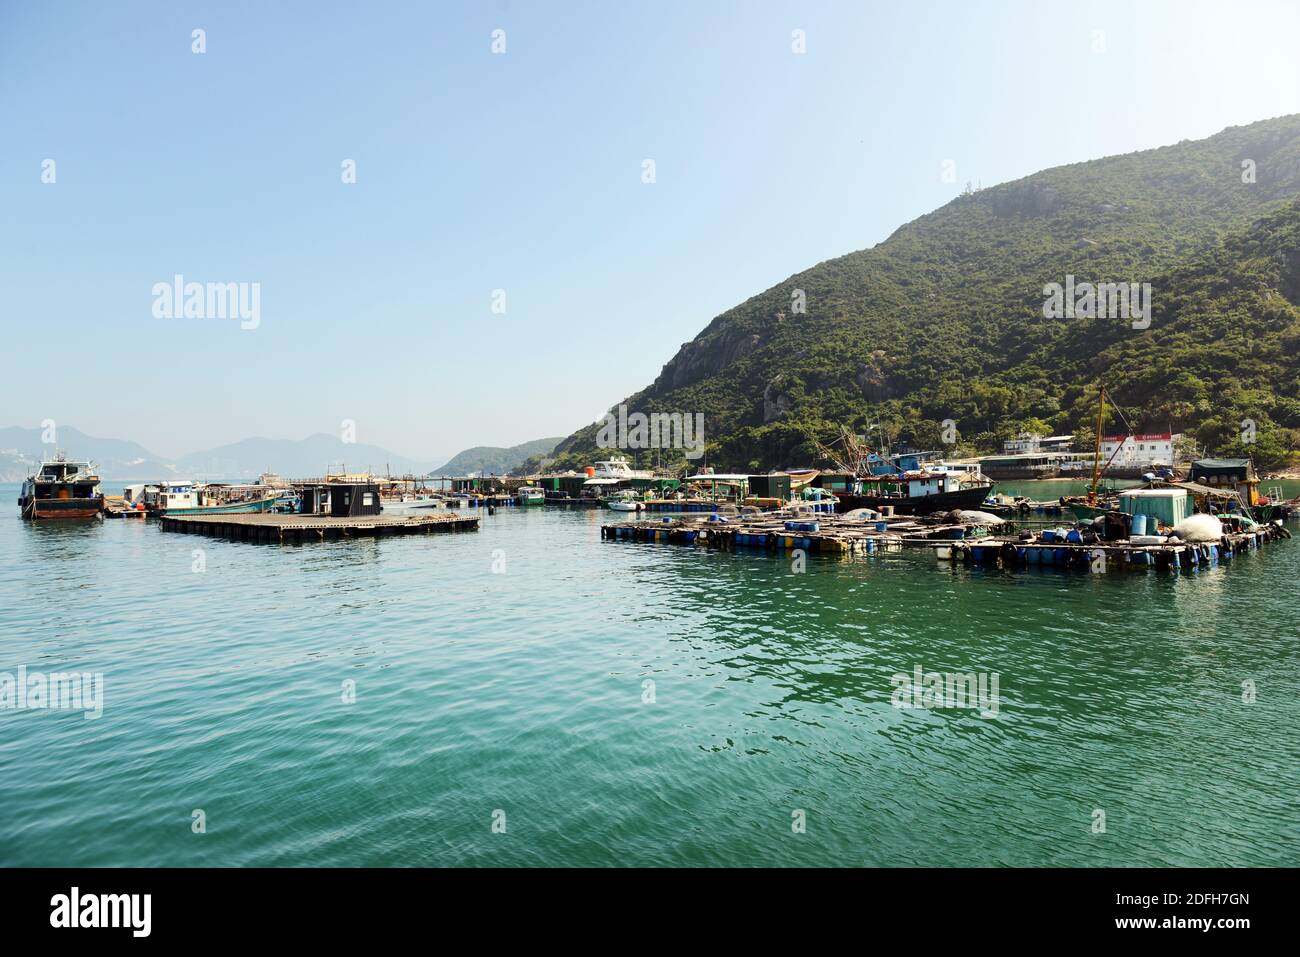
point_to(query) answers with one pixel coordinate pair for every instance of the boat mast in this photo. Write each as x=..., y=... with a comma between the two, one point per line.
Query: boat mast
x=1096, y=454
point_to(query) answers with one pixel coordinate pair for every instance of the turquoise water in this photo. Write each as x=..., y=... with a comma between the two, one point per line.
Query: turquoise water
x=522, y=692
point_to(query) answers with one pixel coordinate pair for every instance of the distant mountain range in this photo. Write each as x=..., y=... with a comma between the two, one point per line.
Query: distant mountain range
x=492, y=460
x=21, y=452
x=304, y=458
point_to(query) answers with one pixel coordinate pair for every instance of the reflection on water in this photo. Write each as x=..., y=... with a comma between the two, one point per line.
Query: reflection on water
x=633, y=704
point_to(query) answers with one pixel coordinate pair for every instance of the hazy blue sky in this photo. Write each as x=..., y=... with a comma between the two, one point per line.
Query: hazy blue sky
x=519, y=171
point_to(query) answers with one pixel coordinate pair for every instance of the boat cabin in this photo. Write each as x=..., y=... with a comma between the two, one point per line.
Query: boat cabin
x=345, y=499
x=61, y=470
x=65, y=480
x=932, y=481
x=175, y=495
x=772, y=485
x=900, y=463
x=1228, y=474
x=61, y=479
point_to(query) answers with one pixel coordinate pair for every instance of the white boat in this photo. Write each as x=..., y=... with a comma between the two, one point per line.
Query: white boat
x=625, y=501
x=177, y=495
x=408, y=502
x=619, y=469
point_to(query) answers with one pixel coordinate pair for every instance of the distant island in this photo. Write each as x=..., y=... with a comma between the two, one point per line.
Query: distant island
x=492, y=460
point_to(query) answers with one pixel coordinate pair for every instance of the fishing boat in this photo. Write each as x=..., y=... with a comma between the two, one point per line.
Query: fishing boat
x=877, y=480
x=1086, y=511
x=185, y=498
x=934, y=489
x=410, y=501
x=227, y=508
x=530, y=495
x=61, y=489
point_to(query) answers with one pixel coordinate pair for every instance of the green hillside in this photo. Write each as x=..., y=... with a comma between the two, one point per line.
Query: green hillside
x=945, y=319
x=492, y=460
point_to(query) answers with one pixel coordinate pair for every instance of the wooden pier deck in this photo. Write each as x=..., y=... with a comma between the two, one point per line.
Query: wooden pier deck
x=115, y=507
x=270, y=528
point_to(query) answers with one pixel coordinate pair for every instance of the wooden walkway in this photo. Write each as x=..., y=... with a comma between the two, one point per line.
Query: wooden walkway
x=296, y=529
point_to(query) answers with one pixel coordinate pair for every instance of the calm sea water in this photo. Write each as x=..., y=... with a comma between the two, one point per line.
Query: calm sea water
x=520, y=697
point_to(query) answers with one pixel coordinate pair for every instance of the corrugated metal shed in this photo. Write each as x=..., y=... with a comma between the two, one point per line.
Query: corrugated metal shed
x=1169, y=505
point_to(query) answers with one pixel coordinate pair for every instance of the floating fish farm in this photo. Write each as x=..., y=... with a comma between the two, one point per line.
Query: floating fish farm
x=982, y=541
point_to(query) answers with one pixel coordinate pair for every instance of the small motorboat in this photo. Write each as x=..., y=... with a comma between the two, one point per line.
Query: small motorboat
x=625, y=501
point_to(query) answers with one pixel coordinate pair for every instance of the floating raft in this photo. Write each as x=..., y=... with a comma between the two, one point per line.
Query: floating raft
x=826, y=506
x=295, y=529
x=1107, y=556
x=115, y=507
x=955, y=543
x=813, y=533
x=479, y=501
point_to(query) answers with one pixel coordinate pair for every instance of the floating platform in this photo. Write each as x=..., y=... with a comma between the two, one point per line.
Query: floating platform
x=115, y=507
x=812, y=532
x=271, y=528
x=825, y=506
x=479, y=501
x=1009, y=552
x=953, y=543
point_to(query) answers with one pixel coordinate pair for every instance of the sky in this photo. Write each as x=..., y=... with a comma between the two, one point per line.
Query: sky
x=500, y=269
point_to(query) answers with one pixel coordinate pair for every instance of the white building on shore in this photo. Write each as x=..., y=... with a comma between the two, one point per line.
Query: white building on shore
x=1028, y=444
x=1139, y=451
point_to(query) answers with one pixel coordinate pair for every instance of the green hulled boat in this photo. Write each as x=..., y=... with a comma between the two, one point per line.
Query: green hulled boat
x=228, y=508
x=1086, y=512
x=530, y=495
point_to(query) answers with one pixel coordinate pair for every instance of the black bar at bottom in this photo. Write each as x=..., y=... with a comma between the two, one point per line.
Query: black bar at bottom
x=332, y=907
